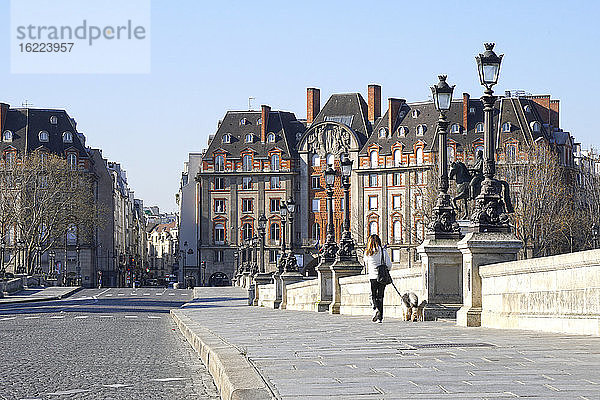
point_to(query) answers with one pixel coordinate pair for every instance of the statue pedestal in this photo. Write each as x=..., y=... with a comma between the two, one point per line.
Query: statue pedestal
x=246, y=279
x=341, y=269
x=481, y=248
x=262, y=278
x=278, y=289
x=287, y=278
x=324, y=279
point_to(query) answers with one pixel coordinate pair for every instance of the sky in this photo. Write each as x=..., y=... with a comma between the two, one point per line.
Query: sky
x=208, y=57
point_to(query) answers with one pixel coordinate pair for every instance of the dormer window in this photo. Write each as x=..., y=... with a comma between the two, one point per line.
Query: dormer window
x=479, y=127
x=227, y=138
x=271, y=138
x=382, y=132
x=53, y=120
x=527, y=108
x=403, y=131
x=244, y=121
x=67, y=137
x=455, y=128
x=249, y=138
x=415, y=113
x=7, y=136
x=421, y=130
x=536, y=126
x=72, y=161
x=506, y=127
x=471, y=110
x=43, y=136
x=259, y=121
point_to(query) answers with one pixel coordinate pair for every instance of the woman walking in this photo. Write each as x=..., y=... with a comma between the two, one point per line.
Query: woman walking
x=374, y=256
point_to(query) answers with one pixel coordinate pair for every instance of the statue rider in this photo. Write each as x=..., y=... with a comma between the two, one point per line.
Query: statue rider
x=477, y=172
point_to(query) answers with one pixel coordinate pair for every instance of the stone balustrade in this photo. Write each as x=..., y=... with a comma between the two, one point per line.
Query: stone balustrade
x=267, y=295
x=303, y=295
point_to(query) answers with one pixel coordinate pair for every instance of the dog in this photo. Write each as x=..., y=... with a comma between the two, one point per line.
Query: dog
x=411, y=309
x=418, y=311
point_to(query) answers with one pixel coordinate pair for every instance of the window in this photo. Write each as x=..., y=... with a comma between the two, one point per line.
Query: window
x=419, y=176
x=471, y=110
x=227, y=138
x=316, y=231
x=271, y=138
x=397, y=227
x=511, y=153
x=403, y=131
x=219, y=205
x=275, y=162
x=418, y=202
x=72, y=235
x=53, y=120
x=397, y=158
x=374, y=159
x=479, y=127
x=316, y=205
x=247, y=163
x=372, y=180
x=397, y=179
x=420, y=230
x=451, y=154
x=249, y=138
x=372, y=202
x=316, y=182
x=219, y=256
x=219, y=233
x=275, y=182
x=259, y=121
x=316, y=160
x=274, y=205
x=506, y=127
x=67, y=137
x=272, y=256
x=274, y=232
x=330, y=159
x=247, y=183
x=7, y=136
x=244, y=121
x=382, y=132
x=421, y=130
x=246, y=231
x=246, y=205
x=219, y=163
x=536, y=126
x=415, y=113
x=373, y=228
x=455, y=128
x=43, y=136
x=72, y=161
x=477, y=150
x=396, y=255
x=527, y=108
x=219, y=184
x=419, y=156
x=396, y=202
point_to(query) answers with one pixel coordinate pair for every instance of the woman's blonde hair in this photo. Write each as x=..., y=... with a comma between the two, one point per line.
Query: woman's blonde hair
x=373, y=243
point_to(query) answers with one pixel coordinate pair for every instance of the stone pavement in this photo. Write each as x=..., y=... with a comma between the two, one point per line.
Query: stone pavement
x=40, y=294
x=307, y=355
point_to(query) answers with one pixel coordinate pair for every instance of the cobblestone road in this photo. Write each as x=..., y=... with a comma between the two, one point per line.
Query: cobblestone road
x=100, y=344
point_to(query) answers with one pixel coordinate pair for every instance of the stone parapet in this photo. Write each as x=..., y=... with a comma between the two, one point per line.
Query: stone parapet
x=303, y=295
x=267, y=295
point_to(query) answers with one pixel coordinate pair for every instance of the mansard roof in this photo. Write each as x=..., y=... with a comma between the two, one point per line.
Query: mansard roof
x=238, y=124
x=349, y=109
x=22, y=121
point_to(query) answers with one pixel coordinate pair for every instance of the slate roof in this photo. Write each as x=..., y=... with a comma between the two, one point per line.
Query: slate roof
x=283, y=124
x=350, y=109
x=39, y=120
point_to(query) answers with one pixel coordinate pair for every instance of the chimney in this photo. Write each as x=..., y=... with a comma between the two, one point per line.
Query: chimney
x=3, y=111
x=313, y=104
x=466, y=111
x=264, y=116
x=374, y=102
x=394, y=107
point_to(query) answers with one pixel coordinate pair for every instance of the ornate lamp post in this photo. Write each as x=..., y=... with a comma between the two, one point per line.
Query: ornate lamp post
x=254, y=250
x=291, y=264
x=489, y=213
x=262, y=225
x=282, y=259
x=2, y=248
x=443, y=224
x=346, y=251
x=330, y=248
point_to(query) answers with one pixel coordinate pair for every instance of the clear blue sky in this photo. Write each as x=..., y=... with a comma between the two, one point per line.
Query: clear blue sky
x=209, y=57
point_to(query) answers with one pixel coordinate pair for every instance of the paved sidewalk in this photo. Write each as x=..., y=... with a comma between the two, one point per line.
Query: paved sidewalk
x=39, y=294
x=307, y=355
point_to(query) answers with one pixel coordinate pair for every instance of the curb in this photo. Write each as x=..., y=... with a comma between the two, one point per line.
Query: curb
x=233, y=374
x=34, y=299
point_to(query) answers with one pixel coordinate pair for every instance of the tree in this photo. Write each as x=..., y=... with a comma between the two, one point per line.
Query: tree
x=45, y=203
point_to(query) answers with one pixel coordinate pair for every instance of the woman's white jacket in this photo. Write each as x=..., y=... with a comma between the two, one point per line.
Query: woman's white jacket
x=371, y=262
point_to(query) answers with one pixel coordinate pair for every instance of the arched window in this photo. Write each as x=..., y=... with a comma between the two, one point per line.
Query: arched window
x=247, y=163
x=527, y=108
x=274, y=232
x=249, y=138
x=330, y=159
x=382, y=132
x=511, y=153
x=219, y=233
x=421, y=130
x=275, y=162
x=271, y=138
x=244, y=121
x=397, y=232
x=374, y=159
x=477, y=150
x=219, y=163
x=316, y=231
x=397, y=158
x=7, y=136
x=72, y=161
x=246, y=231
x=43, y=136
x=479, y=127
x=536, y=126
x=506, y=127
x=316, y=160
x=451, y=154
x=67, y=137
x=227, y=138
x=373, y=228
x=403, y=131
x=53, y=120
x=415, y=113
x=455, y=128
x=10, y=158
x=420, y=156
x=259, y=121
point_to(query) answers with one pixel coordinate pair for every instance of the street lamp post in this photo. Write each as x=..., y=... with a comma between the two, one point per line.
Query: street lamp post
x=330, y=247
x=291, y=264
x=262, y=224
x=347, y=250
x=490, y=211
x=443, y=224
x=254, y=249
x=2, y=248
x=282, y=259
x=190, y=251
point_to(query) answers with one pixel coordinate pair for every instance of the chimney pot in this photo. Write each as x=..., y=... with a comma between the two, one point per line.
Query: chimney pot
x=264, y=117
x=313, y=104
x=374, y=102
x=466, y=111
x=394, y=107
